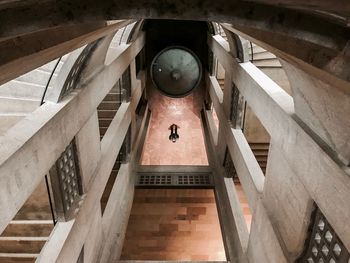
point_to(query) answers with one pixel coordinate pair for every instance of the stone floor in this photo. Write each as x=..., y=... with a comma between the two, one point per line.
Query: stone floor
x=184, y=112
x=174, y=224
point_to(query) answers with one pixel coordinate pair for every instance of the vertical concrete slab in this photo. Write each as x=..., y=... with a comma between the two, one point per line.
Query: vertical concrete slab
x=287, y=202
x=264, y=245
x=89, y=149
x=93, y=243
x=323, y=108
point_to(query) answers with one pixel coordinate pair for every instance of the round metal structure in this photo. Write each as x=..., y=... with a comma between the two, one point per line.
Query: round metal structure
x=176, y=71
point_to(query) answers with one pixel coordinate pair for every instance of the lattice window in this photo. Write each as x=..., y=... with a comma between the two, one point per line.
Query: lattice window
x=74, y=74
x=230, y=169
x=66, y=183
x=234, y=104
x=323, y=244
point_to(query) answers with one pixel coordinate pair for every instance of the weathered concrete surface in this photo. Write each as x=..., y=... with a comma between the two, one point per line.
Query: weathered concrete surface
x=116, y=216
x=89, y=148
x=35, y=49
x=323, y=109
x=324, y=57
x=287, y=202
x=312, y=39
x=264, y=245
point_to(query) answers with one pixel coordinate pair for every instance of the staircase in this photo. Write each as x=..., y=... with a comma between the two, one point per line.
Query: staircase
x=21, y=96
x=260, y=151
x=270, y=65
x=25, y=236
x=23, y=240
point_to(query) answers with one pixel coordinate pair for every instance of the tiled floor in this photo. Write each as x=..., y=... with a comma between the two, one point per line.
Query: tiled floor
x=184, y=112
x=173, y=224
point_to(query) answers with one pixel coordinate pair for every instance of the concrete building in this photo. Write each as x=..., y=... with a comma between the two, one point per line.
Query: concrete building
x=175, y=131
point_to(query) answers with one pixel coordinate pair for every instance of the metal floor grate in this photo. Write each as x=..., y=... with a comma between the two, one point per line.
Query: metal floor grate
x=174, y=179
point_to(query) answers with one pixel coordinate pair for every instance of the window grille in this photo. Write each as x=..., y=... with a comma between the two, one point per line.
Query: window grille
x=235, y=111
x=323, y=244
x=230, y=170
x=66, y=183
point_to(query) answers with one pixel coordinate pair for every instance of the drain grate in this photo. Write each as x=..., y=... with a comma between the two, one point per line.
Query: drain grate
x=174, y=179
x=154, y=180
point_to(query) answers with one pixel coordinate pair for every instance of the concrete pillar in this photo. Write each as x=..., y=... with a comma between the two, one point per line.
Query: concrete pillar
x=287, y=202
x=89, y=149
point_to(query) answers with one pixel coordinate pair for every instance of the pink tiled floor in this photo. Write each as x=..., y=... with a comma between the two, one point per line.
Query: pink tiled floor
x=184, y=112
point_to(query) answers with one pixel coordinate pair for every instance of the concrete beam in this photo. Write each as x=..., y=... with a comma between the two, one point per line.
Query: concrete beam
x=31, y=147
x=234, y=229
x=116, y=215
x=326, y=181
x=335, y=7
x=247, y=167
x=266, y=16
x=324, y=58
x=23, y=53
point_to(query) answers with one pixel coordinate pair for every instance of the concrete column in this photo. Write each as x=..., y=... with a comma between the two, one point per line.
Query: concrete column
x=287, y=202
x=89, y=149
x=226, y=106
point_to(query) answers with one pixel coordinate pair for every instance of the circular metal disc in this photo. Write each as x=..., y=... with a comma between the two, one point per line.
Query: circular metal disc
x=176, y=71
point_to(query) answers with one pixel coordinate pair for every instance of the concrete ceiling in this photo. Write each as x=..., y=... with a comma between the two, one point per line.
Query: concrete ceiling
x=318, y=28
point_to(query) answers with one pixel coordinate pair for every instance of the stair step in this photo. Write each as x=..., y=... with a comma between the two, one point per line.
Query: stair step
x=19, y=89
x=106, y=113
x=28, y=228
x=18, y=257
x=257, y=49
x=103, y=131
x=112, y=97
x=264, y=55
x=108, y=105
x=267, y=63
x=261, y=159
x=50, y=66
x=13, y=105
x=260, y=152
x=22, y=244
x=259, y=146
x=37, y=76
x=104, y=122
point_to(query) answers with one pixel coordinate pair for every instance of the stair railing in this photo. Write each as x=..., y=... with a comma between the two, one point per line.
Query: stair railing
x=48, y=81
x=251, y=52
x=46, y=178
